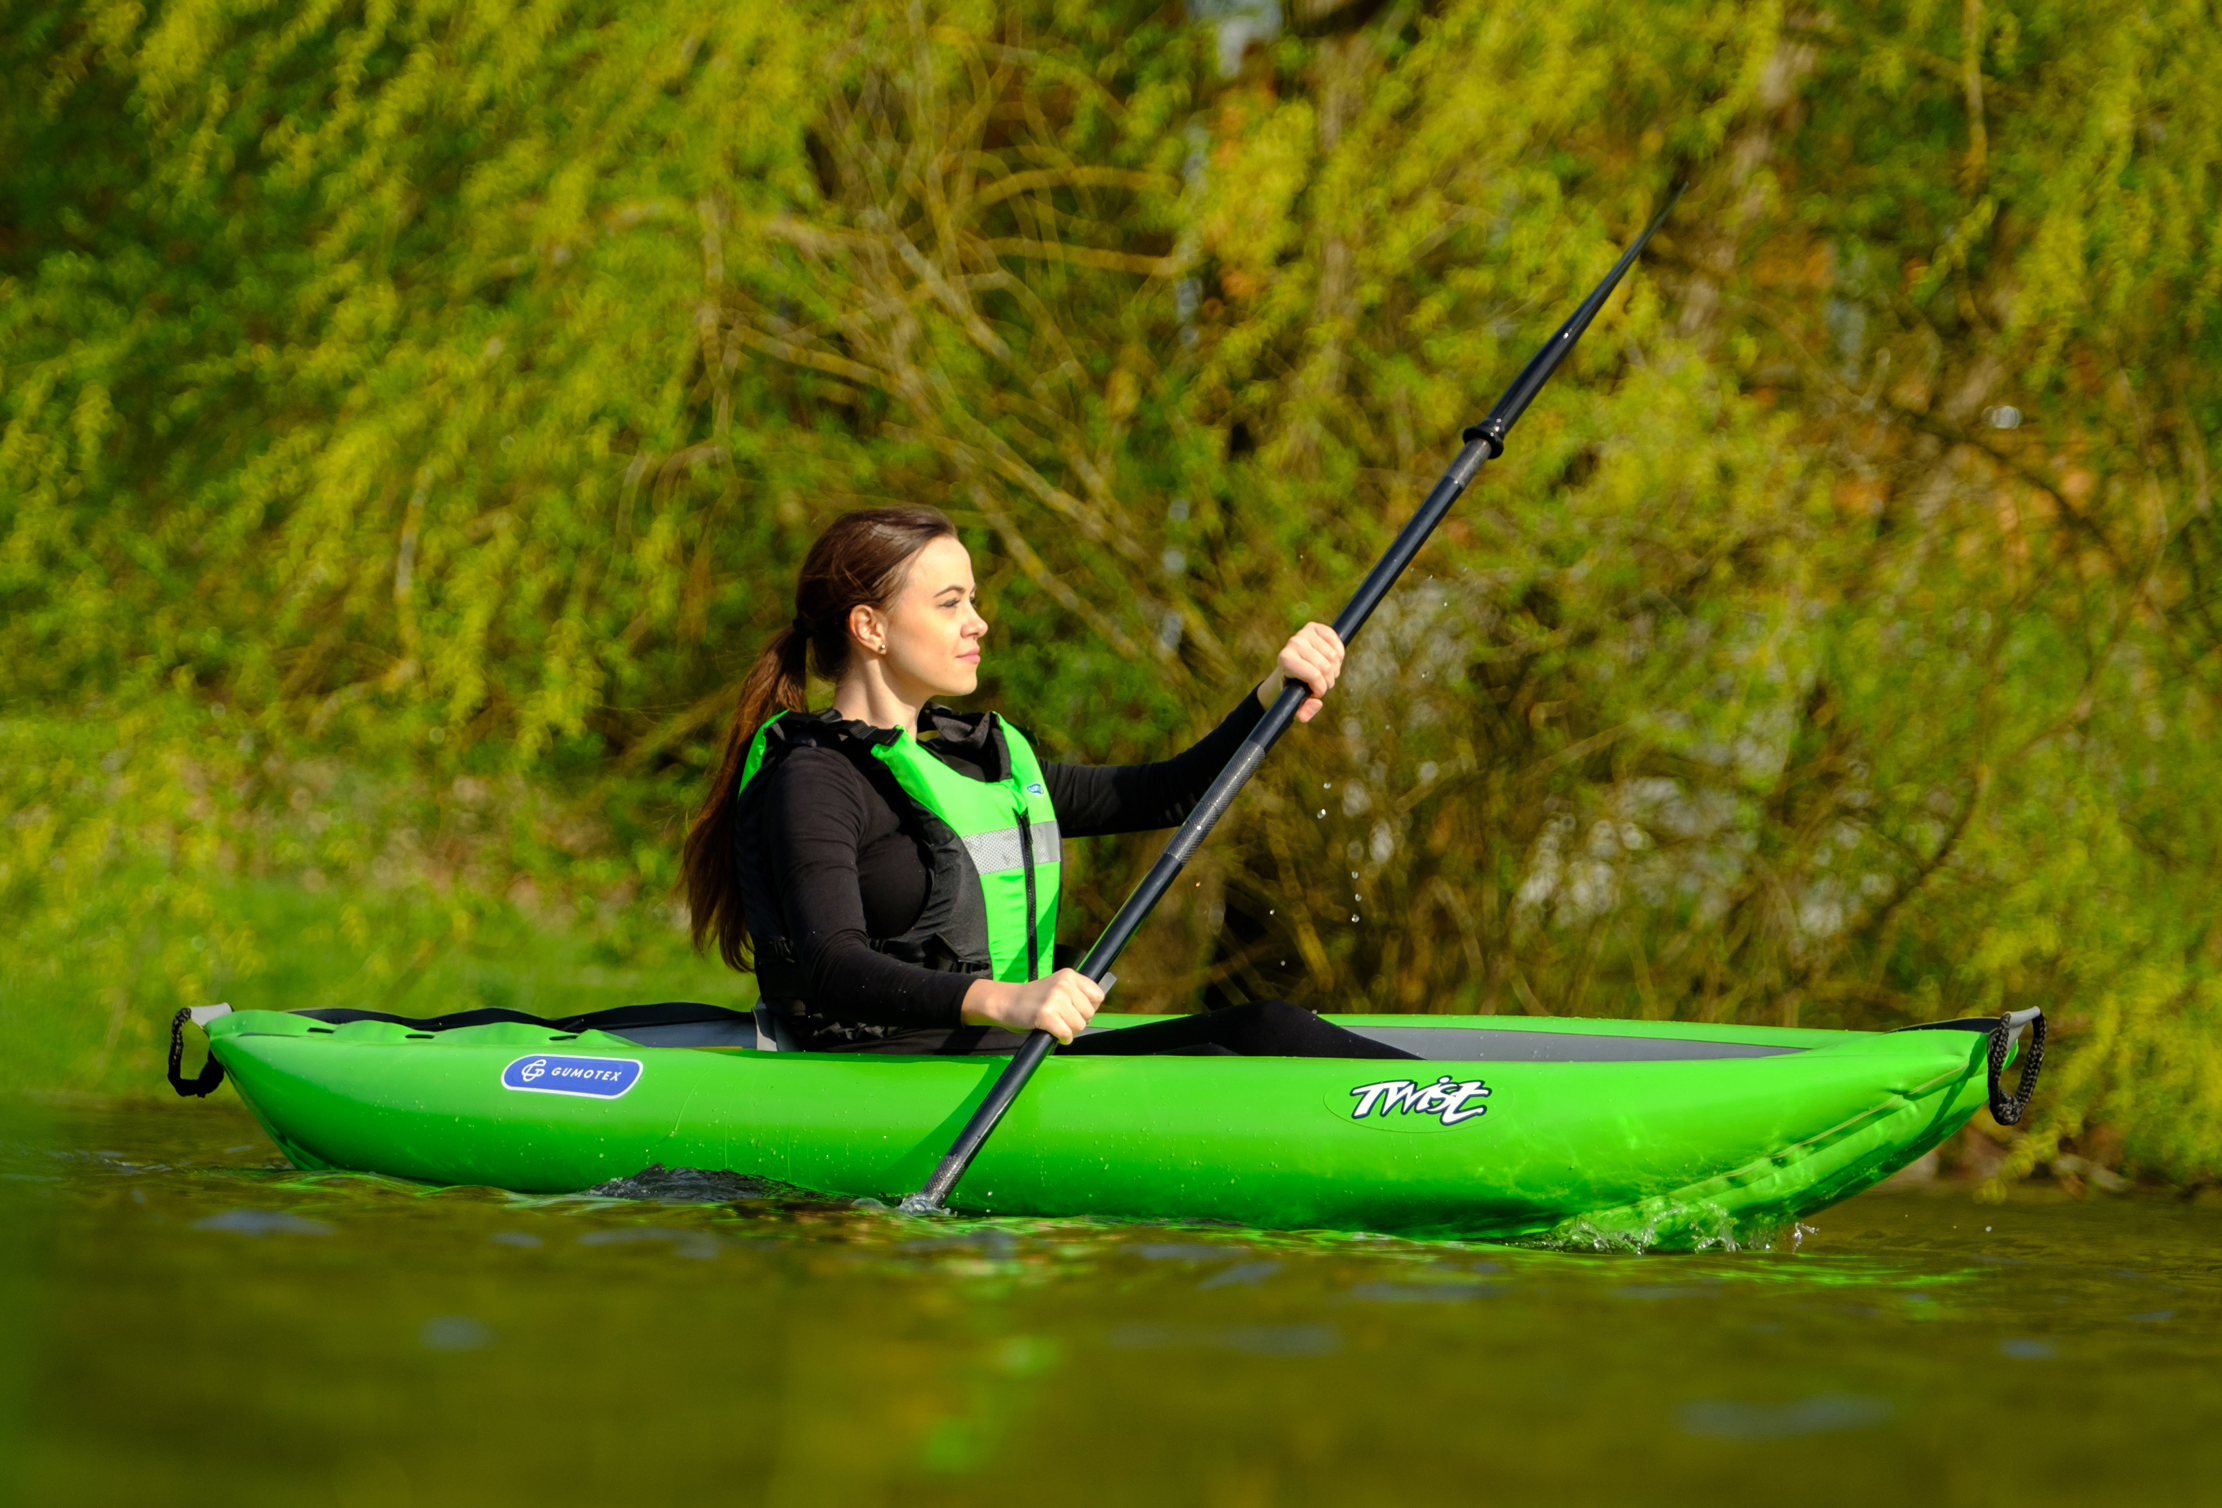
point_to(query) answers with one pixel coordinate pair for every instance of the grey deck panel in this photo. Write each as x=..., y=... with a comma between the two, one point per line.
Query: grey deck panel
x=1451, y=1044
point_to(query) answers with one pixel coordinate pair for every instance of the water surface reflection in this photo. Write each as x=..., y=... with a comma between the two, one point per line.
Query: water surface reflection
x=196, y=1323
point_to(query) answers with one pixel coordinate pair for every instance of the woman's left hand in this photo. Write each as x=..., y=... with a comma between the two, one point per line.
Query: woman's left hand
x=1313, y=656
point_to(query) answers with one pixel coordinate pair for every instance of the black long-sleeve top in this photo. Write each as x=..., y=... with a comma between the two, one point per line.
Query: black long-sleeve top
x=836, y=848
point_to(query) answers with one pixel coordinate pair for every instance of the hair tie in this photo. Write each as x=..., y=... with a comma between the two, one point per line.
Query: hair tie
x=801, y=627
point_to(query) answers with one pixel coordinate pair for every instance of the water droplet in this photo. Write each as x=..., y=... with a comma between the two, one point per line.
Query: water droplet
x=1323, y=811
x=1327, y=785
x=1353, y=916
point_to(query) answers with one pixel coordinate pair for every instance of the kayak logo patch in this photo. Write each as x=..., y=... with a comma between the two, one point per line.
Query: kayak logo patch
x=1447, y=1100
x=593, y=1078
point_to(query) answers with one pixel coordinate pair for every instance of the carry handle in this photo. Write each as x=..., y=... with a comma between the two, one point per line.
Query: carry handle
x=212, y=1072
x=2005, y=1109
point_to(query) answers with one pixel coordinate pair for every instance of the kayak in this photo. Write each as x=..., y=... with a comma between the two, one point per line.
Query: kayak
x=1597, y=1131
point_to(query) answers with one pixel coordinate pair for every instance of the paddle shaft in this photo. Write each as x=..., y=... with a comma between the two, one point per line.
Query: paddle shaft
x=1484, y=442
x=1206, y=814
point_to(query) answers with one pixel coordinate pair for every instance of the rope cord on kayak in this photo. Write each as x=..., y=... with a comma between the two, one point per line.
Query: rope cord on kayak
x=616, y=1018
x=212, y=1071
x=2007, y=1110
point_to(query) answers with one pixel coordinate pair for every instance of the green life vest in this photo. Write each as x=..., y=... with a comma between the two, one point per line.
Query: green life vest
x=997, y=857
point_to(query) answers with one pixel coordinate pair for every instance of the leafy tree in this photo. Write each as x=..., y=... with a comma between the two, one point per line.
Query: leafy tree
x=448, y=391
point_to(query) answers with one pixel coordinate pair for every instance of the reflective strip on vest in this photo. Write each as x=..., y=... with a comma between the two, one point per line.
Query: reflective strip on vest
x=999, y=852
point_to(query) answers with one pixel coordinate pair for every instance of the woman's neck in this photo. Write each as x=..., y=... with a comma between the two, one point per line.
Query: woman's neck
x=868, y=694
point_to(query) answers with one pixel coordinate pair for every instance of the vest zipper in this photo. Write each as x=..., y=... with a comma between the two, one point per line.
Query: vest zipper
x=1033, y=923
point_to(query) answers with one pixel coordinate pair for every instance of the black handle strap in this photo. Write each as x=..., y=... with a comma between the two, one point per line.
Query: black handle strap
x=212, y=1072
x=2007, y=1109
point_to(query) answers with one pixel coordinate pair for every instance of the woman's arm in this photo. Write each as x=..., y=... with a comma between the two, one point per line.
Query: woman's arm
x=1132, y=798
x=1092, y=800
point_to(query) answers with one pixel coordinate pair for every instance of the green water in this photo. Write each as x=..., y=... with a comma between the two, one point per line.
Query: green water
x=188, y=1321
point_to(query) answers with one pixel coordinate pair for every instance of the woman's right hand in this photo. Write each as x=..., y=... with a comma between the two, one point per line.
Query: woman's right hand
x=1060, y=1005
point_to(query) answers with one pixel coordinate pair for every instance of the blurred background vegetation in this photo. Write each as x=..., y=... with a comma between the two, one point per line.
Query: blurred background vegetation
x=411, y=417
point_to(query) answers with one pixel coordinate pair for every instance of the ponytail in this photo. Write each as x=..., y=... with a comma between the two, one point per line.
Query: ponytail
x=775, y=684
x=860, y=560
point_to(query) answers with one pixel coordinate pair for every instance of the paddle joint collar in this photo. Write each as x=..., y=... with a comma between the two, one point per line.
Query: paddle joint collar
x=1491, y=431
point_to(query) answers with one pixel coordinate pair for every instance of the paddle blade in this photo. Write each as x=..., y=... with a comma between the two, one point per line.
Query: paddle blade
x=1538, y=371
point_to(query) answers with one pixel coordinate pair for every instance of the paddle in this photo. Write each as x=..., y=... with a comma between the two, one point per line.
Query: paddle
x=1484, y=441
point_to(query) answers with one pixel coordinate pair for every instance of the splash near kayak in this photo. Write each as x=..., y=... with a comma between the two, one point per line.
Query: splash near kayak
x=1652, y=1133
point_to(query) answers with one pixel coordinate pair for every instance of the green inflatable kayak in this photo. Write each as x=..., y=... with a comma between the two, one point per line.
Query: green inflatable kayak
x=1634, y=1131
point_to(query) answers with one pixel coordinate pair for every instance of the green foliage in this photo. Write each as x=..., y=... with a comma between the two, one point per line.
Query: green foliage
x=152, y=862
x=447, y=391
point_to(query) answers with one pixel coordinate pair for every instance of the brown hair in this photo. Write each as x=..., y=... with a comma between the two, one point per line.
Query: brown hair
x=860, y=560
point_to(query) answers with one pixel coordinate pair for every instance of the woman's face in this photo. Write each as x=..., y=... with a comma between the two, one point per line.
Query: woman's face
x=928, y=636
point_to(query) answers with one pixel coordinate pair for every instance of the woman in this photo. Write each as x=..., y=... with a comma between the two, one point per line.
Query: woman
x=889, y=867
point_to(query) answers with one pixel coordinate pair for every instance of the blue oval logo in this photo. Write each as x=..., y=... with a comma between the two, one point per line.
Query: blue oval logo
x=594, y=1078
